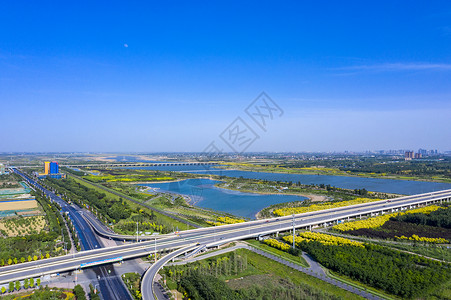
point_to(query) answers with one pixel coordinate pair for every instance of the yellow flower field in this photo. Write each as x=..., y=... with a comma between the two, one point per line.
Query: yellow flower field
x=277, y=244
x=324, y=239
x=380, y=220
x=417, y=238
x=225, y=220
x=315, y=207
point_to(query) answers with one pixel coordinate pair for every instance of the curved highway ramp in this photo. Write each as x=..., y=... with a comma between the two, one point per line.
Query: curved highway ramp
x=147, y=283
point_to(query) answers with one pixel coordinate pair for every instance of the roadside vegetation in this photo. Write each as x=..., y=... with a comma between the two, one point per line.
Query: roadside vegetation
x=119, y=213
x=397, y=226
x=401, y=274
x=133, y=283
x=242, y=274
x=41, y=293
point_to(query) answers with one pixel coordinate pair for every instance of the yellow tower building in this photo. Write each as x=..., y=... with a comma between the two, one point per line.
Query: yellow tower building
x=46, y=167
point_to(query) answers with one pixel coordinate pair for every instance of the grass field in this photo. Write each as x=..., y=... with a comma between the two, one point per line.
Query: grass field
x=264, y=272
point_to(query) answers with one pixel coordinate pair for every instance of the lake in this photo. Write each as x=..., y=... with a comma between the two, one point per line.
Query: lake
x=237, y=203
x=248, y=204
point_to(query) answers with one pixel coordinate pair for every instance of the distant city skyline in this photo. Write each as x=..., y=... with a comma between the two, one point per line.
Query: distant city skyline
x=174, y=76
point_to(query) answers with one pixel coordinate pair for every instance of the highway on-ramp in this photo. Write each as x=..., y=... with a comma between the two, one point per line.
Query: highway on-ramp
x=147, y=286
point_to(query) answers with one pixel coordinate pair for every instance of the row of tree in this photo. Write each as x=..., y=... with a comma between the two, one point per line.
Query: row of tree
x=27, y=283
x=113, y=209
x=439, y=218
x=396, y=272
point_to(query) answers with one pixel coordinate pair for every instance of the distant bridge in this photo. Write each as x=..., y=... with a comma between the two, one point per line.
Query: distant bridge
x=115, y=165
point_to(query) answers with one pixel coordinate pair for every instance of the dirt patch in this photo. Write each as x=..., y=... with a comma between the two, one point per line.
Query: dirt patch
x=29, y=213
x=18, y=205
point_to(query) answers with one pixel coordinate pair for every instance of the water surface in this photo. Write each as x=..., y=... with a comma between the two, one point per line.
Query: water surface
x=237, y=203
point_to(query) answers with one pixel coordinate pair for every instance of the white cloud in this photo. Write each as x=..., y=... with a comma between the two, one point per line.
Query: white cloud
x=396, y=67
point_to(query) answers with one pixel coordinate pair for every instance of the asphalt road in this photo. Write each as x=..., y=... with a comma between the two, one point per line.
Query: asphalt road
x=111, y=287
x=147, y=284
x=362, y=208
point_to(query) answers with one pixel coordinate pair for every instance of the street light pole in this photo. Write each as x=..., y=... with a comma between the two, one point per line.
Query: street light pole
x=136, y=231
x=155, y=250
x=293, y=231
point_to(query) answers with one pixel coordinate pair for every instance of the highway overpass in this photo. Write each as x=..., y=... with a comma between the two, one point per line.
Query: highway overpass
x=214, y=236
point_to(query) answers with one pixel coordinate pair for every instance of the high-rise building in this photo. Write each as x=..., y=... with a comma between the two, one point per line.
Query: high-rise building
x=51, y=169
x=408, y=155
x=47, y=168
x=54, y=167
x=418, y=155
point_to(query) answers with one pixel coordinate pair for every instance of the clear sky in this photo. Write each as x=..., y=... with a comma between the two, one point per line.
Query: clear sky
x=141, y=76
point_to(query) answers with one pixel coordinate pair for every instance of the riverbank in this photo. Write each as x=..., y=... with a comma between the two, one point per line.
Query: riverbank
x=329, y=172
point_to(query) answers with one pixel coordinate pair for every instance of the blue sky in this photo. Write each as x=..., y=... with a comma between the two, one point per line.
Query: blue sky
x=140, y=76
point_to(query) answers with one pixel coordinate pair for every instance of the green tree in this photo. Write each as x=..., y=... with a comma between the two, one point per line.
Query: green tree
x=11, y=286
x=29, y=258
x=3, y=290
x=25, y=283
x=22, y=259
x=32, y=282
x=93, y=296
x=17, y=285
x=79, y=292
x=10, y=261
x=15, y=260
